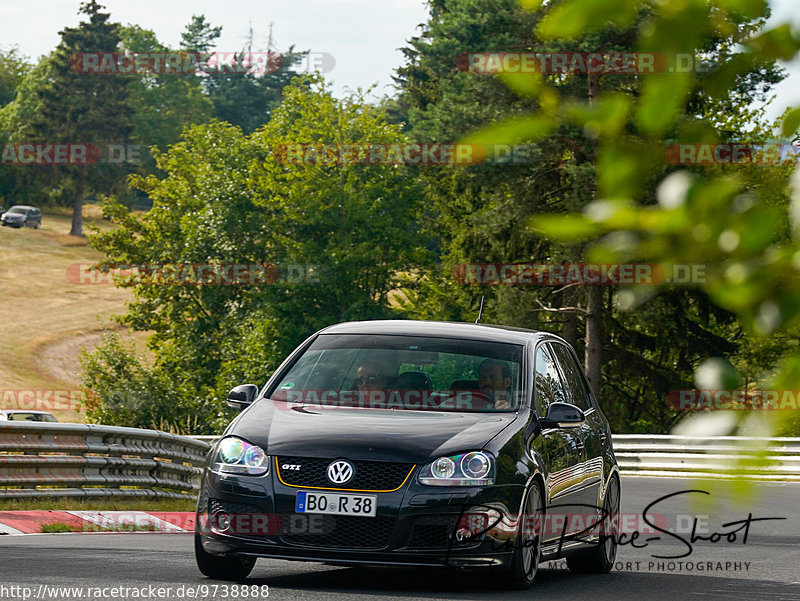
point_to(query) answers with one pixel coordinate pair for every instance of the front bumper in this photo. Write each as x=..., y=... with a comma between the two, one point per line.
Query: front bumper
x=414, y=526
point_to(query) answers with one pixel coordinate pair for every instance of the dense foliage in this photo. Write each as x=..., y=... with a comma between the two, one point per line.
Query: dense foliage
x=594, y=183
x=233, y=199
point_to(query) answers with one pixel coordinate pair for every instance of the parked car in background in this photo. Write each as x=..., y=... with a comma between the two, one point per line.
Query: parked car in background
x=22, y=215
x=23, y=415
x=415, y=443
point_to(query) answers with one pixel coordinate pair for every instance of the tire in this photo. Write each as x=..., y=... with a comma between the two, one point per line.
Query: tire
x=38, y=225
x=600, y=558
x=222, y=568
x=520, y=573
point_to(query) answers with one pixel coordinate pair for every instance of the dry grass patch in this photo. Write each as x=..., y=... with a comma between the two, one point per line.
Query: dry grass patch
x=49, y=316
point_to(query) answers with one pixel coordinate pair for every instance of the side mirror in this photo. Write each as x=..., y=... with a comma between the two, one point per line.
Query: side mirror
x=562, y=415
x=242, y=396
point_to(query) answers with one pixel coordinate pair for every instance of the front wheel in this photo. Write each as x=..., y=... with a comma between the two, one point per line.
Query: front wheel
x=600, y=558
x=222, y=568
x=520, y=573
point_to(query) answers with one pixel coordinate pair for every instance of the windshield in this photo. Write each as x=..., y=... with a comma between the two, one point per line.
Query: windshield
x=31, y=417
x=17, y=211
x=405, y=372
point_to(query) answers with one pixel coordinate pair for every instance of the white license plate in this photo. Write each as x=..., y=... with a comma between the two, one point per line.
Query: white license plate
x=336, y=504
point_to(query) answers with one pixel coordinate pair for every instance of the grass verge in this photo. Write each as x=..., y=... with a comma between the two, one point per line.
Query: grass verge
x=58, y=527
x=78, y=504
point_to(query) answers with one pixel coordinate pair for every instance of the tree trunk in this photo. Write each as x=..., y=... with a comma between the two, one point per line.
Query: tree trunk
x=569, y=327
x=594, y=305
x=77, y=212
x=593, y=352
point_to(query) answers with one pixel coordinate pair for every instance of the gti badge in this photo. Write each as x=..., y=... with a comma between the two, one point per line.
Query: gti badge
x=340, y=471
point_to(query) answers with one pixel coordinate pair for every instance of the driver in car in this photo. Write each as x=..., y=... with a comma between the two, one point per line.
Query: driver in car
x=494, y=380
x=372, y=382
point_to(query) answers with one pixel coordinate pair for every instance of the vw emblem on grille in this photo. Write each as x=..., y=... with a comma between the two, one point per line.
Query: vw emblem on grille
x=340, y=471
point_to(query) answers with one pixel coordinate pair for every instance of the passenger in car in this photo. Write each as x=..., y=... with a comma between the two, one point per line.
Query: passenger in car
x=494, y=379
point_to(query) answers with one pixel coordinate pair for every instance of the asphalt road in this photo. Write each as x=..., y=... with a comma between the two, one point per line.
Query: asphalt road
x=146, y=565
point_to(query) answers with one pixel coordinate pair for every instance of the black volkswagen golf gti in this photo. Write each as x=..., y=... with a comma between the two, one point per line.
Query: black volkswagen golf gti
x=417, y=444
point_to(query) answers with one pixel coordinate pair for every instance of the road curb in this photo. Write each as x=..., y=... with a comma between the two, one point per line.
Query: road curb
x=31, y=522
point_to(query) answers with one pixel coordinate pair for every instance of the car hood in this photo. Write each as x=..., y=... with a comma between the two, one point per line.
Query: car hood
x=13, y=217
x=379, y=434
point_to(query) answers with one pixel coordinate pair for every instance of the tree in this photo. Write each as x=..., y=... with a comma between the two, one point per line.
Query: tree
x=728, y=219
x=24, y=183
x=199, y=35
x=163, y=104
x=79, y=108
x=482, y=213
x=13, y=67
x=234, y=199
x=250, y=88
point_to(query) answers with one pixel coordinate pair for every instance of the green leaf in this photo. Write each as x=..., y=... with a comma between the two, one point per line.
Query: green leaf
x=527, y=85
x=663, y=98
x=530, y=5
x=776, y=44
x=716, y=374
x=513, y=131
x=564, y=227
x=757, y=228
x=606, y=117
x=624, y=165
x=572, y=18
x=791, y=123
x=745, y=8
x=723, y=78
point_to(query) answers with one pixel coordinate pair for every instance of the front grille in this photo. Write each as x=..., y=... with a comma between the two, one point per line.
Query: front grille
x=369, y=475
x=431, y=532
x=340, y=532
x=236, y=519
x=216, y=506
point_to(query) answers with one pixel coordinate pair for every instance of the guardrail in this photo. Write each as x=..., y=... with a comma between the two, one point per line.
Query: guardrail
x=756, y=458
x=750, y=457
x=86, y=460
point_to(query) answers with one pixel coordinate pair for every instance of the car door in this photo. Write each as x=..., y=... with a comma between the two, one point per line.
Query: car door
x=561, y=448
x=593, y=432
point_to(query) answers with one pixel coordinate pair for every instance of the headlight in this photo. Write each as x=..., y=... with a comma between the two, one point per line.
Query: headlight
x=467, y=469
x=236, y=456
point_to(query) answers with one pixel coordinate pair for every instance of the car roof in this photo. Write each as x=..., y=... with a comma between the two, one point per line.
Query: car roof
x=439, y=329
x=24, y=411
x=22, y=207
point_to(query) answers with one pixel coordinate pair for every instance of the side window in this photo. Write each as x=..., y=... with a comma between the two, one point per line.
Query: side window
x=577, y=393
x=549, y=387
